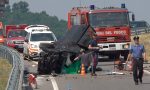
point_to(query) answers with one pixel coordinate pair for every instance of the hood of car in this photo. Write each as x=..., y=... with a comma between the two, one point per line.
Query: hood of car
x=36, y=44
x=15, y=38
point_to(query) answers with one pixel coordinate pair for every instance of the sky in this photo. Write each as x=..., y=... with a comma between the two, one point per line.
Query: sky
x=60, y=8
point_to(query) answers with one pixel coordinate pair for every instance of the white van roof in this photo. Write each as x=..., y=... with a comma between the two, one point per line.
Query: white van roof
x=31, y=28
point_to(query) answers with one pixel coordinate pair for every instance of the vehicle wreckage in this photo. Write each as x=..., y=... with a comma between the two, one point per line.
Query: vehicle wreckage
x=55, y=56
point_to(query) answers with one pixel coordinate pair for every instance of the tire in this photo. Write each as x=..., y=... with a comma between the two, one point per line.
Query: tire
x=114, y=56
x=30, y=58
x=111, y=57
x=24, y=57
x=125, y=54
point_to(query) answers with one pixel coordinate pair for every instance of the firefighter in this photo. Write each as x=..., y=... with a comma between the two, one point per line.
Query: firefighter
x=137, y=54
x=94, y=48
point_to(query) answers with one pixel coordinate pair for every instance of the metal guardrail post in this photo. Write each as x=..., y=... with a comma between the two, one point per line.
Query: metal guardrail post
x=16, y=76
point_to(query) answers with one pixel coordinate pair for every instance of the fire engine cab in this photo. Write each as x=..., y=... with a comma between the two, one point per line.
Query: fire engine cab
x=111, y=24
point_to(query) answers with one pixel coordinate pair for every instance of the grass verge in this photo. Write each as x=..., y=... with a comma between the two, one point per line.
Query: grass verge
x=5, y=69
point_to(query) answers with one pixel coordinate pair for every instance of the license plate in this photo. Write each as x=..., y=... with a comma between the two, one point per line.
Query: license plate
x=112, y=48
x=20, y=46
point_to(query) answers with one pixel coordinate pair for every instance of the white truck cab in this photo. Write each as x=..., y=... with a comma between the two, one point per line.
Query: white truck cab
x=36, y=34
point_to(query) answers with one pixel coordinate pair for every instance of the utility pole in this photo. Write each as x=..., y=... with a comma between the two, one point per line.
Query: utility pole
x=2, y=7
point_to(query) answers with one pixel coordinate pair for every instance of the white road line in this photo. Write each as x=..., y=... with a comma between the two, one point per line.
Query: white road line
x=55, y=86
x=40, y=80
x=35, y=62
x=147, y=72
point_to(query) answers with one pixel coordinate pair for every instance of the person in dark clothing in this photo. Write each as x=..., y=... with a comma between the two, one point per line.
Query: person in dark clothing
x=94, y=48
x=137, y=54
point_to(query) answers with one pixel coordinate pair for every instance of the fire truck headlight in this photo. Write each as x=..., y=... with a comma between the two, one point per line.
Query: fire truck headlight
x=125, y=46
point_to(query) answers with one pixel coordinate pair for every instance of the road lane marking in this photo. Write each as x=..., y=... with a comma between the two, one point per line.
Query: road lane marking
x=33, y=65
x=55, y=86
x=35, y=62
x=40, y=80
x=147, y=72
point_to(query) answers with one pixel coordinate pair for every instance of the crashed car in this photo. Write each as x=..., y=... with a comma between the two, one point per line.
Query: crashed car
x=54, y=56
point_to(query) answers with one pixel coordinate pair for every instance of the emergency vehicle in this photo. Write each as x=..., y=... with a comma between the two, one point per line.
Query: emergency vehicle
x=1, y=33
x=36, y=34
x=111, y=24
x=15, y=35
x=140, y=27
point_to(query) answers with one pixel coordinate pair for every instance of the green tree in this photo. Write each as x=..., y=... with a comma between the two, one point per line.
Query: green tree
x=20, y=14
x=8, y=9
x=21, y=6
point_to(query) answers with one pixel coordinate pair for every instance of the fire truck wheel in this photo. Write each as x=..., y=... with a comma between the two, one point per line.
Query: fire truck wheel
x=125, y=56
x=29, y=58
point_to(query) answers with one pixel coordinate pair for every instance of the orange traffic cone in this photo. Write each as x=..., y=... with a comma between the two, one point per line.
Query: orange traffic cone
x=82, y=70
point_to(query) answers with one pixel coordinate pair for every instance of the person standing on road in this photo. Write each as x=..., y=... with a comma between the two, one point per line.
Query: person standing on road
x=94, y=48
x=137, y=54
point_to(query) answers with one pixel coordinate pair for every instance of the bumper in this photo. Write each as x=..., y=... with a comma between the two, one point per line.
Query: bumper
x=17, y=47
x=114, y=46
x=34, y=54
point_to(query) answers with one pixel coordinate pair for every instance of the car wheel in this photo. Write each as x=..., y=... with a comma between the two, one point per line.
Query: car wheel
x=24, y=57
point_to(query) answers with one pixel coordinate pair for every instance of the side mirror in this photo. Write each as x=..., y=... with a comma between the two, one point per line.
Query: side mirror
x=133, y=17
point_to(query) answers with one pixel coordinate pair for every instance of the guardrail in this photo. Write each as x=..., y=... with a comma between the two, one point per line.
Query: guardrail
x=140, y=31
x=16, y=76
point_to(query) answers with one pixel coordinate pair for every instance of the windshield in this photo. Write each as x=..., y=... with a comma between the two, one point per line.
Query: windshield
x=138, y=24
x=107, y=19
x=17, y=33
x=42, y=37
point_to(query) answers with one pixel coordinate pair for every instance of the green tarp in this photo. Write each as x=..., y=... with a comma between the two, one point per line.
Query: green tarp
x=73, y=68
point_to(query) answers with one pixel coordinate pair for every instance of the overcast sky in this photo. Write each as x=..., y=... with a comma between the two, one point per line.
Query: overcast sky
x=59, y=8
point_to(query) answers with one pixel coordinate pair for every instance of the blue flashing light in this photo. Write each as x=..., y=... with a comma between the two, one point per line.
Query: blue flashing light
x=92, y=7
x=123, y=5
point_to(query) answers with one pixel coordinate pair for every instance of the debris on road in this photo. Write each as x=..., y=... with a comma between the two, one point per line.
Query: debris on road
x=114, y=73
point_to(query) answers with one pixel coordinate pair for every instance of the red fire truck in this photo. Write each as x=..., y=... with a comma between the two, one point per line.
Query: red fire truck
x=111, y=24
x=15, y=35
x=1, y=33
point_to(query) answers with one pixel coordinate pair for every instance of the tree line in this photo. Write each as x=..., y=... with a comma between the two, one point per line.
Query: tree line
x=20, y=13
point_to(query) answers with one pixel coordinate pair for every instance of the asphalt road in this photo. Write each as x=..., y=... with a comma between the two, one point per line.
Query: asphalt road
x=105, y=80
